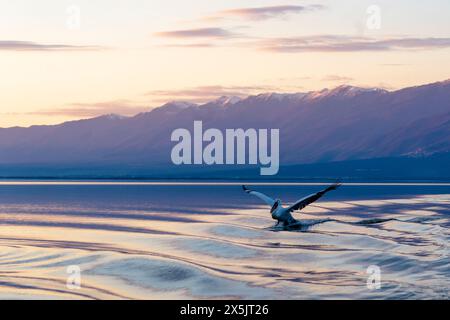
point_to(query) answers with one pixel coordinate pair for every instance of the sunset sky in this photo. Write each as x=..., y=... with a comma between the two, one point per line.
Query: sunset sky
x=130, y=56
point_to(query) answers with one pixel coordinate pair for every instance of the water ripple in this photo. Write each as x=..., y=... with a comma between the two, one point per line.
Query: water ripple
x=159, y=246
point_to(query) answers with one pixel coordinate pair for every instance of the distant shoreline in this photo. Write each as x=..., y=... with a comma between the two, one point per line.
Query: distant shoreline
x=173, y=182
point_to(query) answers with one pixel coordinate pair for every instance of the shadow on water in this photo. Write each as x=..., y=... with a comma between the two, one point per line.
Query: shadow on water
x=307, y=225
x=302, y=226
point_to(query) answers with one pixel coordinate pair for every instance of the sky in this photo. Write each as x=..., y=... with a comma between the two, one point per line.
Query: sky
x=63, y=60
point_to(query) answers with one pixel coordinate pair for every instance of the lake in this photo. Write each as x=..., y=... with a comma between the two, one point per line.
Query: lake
x=213, y=241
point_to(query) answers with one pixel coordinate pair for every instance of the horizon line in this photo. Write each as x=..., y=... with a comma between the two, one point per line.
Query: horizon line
x=240, y=183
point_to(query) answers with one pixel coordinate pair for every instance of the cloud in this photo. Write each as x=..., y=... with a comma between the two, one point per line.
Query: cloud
x=321, y=43
x=122, y=107
x=393, y=64
x=200, y=38
x=191, y=45
x=336, y=78
x=197, y=33
x=204, y=94
x=332, y=43
x=262, y=13
x=13, y=45
x=200, y=94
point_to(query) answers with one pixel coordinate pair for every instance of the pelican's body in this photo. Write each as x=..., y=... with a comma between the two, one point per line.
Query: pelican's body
x=283, y=214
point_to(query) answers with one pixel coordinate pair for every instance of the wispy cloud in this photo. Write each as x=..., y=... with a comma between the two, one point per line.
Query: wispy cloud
x=320, y=43
x=200, y=94
x=13, y=45
x=393, y=64
x=203, y=94
x=191, y=45
x=336, y=78
x=262, y=13
x=197, y=33
x=332, y=43
x=81, y=110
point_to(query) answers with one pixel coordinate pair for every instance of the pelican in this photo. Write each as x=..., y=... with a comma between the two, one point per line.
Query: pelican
x=283, y=214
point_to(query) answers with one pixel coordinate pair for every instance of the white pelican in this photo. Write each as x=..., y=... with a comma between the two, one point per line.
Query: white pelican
x=282, y=214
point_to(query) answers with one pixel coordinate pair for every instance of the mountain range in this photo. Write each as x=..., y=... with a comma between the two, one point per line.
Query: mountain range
x=332, y=125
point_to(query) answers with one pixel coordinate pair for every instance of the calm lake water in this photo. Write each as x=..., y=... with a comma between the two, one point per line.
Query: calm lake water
x=153, y=241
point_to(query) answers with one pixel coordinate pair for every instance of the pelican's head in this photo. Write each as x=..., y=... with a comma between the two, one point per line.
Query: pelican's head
x=276, y=205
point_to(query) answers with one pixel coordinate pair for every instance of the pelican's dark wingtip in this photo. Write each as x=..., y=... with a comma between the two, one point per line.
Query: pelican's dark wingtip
x=334, y=186
x=245, y=189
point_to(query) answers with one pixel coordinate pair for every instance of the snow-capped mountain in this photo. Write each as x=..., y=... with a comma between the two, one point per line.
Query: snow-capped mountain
x=328, y=125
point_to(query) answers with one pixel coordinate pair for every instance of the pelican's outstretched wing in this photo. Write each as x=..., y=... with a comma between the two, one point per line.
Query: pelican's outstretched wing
x=260, y=195
x=300, y=204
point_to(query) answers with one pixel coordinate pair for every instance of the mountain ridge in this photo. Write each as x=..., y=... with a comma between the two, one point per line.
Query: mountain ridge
x=344, y=123
x=224, y=100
